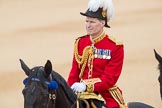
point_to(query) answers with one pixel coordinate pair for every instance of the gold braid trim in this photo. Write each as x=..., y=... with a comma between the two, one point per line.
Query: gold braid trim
x=115, y=41
x=90, y=83
x=87, y=95
x=82, y=60
x=87, y=53
x=116, y=94
x=99, y=38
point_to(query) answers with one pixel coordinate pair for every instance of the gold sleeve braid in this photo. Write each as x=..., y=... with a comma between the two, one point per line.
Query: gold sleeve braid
x=116, y=94
x=90, y=83
x=81, y=60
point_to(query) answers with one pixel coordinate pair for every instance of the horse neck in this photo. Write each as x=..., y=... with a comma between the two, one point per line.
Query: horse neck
x=62, y=99
x=160, y=69
x=64, y=92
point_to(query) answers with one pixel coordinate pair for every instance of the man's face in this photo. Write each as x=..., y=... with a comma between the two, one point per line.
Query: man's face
x=94, y=26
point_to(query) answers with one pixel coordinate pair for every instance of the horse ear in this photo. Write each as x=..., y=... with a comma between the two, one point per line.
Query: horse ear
x=25, y=67
x=158, y=57
x=48, y=67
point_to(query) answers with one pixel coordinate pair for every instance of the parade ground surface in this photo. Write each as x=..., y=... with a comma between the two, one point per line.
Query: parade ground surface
x=37, y=30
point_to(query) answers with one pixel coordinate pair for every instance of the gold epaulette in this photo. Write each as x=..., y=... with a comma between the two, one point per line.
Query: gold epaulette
x=80, y=37
x=115, y=41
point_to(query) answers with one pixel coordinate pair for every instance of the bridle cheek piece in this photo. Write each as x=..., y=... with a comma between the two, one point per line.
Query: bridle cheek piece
x=52, y=96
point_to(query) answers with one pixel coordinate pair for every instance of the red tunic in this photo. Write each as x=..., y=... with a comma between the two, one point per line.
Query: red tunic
x=108, y=70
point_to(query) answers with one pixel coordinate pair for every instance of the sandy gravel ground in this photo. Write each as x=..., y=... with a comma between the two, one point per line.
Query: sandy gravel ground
x=37, y=30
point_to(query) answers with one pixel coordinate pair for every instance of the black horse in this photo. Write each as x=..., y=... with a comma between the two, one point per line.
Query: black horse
x=42, y=86
x=45, y=88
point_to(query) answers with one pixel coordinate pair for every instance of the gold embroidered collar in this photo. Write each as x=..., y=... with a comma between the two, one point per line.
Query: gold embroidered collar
x=97, y=39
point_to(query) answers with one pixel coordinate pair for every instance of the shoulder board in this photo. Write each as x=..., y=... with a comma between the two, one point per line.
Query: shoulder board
x=115, y=41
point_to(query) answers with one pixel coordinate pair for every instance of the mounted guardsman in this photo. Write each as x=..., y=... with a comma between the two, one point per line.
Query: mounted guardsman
x=98, y=58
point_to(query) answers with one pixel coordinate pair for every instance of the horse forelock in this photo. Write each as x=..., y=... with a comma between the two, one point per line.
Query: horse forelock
x=37, y=75
x=37, y=88
x=39, y=72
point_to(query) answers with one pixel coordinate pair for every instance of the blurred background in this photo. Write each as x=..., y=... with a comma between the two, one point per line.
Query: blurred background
x=37, y=30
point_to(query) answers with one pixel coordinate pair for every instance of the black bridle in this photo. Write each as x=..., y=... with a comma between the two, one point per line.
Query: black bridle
x=52, y=94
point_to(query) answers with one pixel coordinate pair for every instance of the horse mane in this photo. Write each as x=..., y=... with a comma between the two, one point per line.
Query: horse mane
x=67, y=90
x=160, y=67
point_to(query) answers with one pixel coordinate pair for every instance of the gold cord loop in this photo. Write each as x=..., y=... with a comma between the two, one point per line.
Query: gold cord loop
x=87, y=56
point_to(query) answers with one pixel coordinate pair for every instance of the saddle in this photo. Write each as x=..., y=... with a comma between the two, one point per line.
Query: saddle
x=90, y=100
x=93, y=100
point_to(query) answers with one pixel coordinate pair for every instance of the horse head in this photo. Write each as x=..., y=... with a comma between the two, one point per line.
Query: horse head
x=159, y=59
x=40, y=88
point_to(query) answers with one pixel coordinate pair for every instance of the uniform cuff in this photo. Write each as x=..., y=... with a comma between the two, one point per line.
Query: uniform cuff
x=90, y=84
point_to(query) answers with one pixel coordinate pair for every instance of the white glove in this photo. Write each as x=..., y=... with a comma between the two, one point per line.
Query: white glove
x=78, y=87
